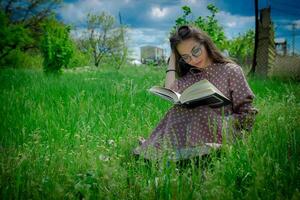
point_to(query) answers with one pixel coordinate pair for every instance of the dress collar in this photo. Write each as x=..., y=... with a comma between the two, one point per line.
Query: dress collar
x=196, y=70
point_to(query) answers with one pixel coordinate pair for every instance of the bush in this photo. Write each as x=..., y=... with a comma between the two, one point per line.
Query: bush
x=79, y=59
x=56, y=46
x=286, y=67
x=19, y=59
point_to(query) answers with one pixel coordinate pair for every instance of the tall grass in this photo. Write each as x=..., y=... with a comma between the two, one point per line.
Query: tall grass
x=71, y=137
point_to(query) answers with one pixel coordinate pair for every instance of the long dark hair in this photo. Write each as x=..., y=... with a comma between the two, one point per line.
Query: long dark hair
x=186, y=32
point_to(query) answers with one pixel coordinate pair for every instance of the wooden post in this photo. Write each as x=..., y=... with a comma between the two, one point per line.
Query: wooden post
x=254, y=63
x=265, y=54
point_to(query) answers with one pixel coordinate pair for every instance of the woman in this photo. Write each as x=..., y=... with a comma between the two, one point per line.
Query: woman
x=189, y=132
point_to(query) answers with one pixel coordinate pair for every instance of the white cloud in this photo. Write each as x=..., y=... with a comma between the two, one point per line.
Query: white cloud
x=76, y=12
x=190, y=1
x=230, y=20
x=287, y=24
x=142, y=15
x=234, y=24
x=297, y=25
x=231, y=24
x=70, y=14
x=157, y=12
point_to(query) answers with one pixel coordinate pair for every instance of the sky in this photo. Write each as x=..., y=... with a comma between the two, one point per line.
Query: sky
x=149, y=21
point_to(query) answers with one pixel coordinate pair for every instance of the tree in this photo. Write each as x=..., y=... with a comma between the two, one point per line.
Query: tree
x=21, y=21
x=13, y=36
x=56, y=46
x=104, y=39
x=242, y=47
x=209, y=24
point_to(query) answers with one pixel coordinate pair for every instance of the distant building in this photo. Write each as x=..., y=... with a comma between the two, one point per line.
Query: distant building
x=281, y=46
x=152, y=54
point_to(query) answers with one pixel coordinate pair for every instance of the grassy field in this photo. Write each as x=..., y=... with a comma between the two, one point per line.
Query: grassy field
x=71, y=137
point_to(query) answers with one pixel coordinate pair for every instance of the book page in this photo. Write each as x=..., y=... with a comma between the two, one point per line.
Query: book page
x=196, y=94
x=203, y=91
x=165, y=93
x=203, y=84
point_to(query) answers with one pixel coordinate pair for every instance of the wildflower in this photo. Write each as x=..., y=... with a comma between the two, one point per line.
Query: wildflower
x=111, y=142
x=103, y=157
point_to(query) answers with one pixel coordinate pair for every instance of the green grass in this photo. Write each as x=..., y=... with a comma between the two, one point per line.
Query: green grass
x=71, y=137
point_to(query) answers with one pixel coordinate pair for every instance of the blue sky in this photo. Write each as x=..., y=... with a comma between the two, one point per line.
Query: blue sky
x=149, y=21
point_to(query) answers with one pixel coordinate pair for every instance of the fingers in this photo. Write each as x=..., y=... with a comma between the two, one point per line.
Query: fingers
x=141, y=140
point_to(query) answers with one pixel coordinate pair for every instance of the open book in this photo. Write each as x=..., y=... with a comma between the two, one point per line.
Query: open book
x=200, y=93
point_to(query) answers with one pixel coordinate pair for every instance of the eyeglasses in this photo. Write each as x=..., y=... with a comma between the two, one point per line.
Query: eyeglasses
x=196, y=52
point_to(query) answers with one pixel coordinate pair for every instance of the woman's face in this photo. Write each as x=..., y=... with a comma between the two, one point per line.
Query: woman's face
x=193, y=53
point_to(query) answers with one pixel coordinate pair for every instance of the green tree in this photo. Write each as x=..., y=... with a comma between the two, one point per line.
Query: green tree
x=13, y=36
x=184, y=19
x=21, y=23
x=106, y=40
x=241, y=48
x=209, y=24
x=56, y=46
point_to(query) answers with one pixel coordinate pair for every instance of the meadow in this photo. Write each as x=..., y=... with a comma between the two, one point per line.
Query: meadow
x=70, y=136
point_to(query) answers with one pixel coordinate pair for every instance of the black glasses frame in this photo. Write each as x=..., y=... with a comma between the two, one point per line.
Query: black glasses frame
x=194, y=54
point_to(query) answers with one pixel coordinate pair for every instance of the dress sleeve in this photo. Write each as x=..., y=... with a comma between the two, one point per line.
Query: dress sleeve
x=175, y=85
x=242, y=98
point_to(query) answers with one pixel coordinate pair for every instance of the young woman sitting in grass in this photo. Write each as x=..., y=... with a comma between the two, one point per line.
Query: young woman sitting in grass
x=189, y=132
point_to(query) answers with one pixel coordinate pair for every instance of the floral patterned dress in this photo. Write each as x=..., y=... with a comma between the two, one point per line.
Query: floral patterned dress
x=187, y=132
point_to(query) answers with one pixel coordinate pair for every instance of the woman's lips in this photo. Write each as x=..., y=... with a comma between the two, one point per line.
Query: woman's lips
x=198, y=63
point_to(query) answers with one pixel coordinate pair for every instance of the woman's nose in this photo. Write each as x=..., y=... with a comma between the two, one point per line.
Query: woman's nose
x=193, y=59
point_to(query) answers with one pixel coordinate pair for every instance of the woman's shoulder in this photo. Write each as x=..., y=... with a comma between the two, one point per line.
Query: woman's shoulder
x=232, y=68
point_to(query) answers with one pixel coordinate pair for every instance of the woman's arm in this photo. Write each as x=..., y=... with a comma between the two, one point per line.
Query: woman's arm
x=170, y=73
x=242, y=98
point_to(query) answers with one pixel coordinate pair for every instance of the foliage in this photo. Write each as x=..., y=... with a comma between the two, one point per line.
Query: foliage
x=242, y=47
x=56, y=46
x=209, y=24
x=183, y=20
x=20, y=59
x=212, y=27
x=21, y=24
x=239, y=48
x=13, y=36
x=29, y=12
x=79, y=58
x=105, y=40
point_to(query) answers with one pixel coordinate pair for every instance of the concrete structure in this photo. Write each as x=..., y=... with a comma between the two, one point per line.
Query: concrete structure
x=266, y=45
x=281, y=46
x=152, y=54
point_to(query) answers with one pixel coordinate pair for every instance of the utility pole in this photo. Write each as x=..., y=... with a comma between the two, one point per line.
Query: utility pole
x=120, y=18
x=121, y=24
x=124, y=48
x=294, y=27
x=254, y=62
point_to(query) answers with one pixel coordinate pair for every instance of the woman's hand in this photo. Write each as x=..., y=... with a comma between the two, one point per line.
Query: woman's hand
x=141, y=140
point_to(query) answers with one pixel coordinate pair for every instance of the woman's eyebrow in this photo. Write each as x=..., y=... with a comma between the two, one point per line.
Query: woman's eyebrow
x=196, y=46
x=190, y=51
